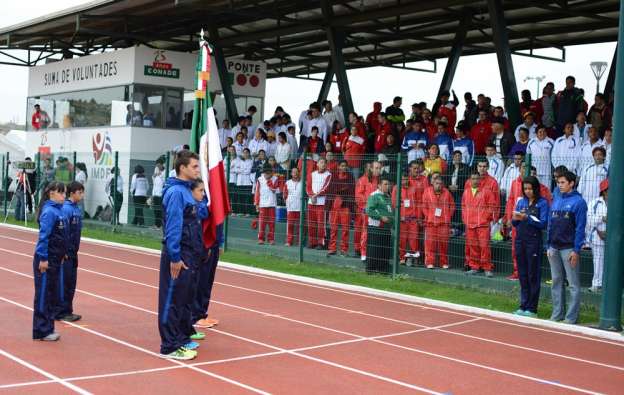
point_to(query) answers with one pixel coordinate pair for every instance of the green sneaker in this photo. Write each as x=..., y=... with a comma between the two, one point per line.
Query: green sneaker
x=181, y=354
x=519, y=312
x=198, y=336
x=530, y=314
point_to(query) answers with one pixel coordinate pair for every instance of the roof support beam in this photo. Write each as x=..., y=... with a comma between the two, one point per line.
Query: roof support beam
x=500, y=37
x=336, y=40
x=608, y=91
x=327, y=82
x=453, y=60
x=226, y=87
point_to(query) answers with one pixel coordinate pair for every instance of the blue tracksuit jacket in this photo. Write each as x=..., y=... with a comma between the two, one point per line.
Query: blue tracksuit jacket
x=568, y=216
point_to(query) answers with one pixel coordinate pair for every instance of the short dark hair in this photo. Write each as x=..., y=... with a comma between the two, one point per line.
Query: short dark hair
x=196, y=183
x=569, y=176
x=184, y=158
x=490, y=145
x=74, y=186
x=601, y=149
x=570, y=77
x=252, y=108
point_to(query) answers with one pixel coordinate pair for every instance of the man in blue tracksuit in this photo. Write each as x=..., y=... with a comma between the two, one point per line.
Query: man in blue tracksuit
x=49, y=253
x=69, y=268
x=205, y=281
x=566, y=234
x=463, y=143
x=182, y=250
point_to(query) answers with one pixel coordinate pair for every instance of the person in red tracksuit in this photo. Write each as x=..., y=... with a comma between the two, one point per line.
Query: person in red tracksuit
x=265, y=200
x=410, y=214
x=438, y=207
x=383, y=129
x=292, y=191
x=488, y=182
x=420, y=183
x=515, y=194
x=342, y=188
x=338, y=137
x=358, y=215
x=317, y=186
x=366, y=185
x=477, y=214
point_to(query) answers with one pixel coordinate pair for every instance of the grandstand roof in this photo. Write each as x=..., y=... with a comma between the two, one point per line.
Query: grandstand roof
x=290, y=35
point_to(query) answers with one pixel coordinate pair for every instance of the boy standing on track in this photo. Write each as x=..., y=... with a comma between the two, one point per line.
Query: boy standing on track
x=69, y=268
x=182, y=238
x=50, y=250
x=206, y=278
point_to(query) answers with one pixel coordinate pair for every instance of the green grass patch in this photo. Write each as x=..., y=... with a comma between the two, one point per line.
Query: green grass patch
x=405, y=285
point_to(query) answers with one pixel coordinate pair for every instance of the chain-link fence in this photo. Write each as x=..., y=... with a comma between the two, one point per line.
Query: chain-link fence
x=450, y=220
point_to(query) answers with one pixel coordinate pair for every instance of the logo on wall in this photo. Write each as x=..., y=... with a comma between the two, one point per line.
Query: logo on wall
x=160, y=67
x=244, y=73
x=102, y=149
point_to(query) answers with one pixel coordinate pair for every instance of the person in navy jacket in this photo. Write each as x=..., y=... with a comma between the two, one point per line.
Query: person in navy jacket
x=49, y=253
x=69, y=268
x=566, y=234
x=182, y=248
x=530, y=218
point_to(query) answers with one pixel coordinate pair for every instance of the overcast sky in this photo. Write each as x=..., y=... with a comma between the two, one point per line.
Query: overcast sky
x=477, y=74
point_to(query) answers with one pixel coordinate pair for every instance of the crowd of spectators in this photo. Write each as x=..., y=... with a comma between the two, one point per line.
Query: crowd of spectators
x=445, y=157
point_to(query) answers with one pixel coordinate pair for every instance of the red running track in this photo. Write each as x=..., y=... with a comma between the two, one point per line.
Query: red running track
x=279, y=336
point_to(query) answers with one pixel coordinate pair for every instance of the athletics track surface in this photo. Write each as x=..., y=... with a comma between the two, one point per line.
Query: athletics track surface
x=279, y=335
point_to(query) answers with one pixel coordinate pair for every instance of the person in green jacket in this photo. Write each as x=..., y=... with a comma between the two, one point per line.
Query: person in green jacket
x=380, y=218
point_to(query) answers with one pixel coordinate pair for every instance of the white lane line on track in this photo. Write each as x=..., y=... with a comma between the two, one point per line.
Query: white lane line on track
x=510, y=345
x=156, y=355
x=363, y=293
x=214, y=362
x=531, y=378
x=53, y=378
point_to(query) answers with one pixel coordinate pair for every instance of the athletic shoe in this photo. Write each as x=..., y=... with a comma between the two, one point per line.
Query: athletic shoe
x=52, y=337
x=363, y=258
x=549, y=282
x=71, y=318
x=472, y=272
x=519, y=312
x=207, y=323
x=402, y=261
x=416, y=254
x=530, y=314
x=198, y=336
x=513, y=277
x=429, y=266
x=287, y=244
x=569, y=322
x=191, y=346
x=330, y=253
x=181, y=354
x=489, y=274
x=271, y=243
x=260, y=242
x=445, y=267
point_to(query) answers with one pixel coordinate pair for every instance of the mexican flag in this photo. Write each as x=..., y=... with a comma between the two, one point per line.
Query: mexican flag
x=205, y=141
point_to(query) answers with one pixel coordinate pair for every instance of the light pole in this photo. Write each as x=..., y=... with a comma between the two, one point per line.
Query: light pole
x=539, y=79
x=598, y=68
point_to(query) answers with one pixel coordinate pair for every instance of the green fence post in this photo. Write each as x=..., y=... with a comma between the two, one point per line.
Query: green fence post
x=397, y=219
x=6, y=183
x=527, y=161
x=302, y=215
x=3, y=181
x=114, y=190
x=168, y=163
x=37, y=179
x=613, y=279
x=226, y=225
x=73, y=173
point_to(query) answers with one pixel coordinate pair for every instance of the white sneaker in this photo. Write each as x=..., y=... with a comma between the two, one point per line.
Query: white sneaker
x=52, y=337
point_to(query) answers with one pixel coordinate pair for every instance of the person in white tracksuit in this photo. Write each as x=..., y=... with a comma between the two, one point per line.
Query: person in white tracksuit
x=593, y=175
x=596, y=232
x=566, y=151
x=540, y=149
